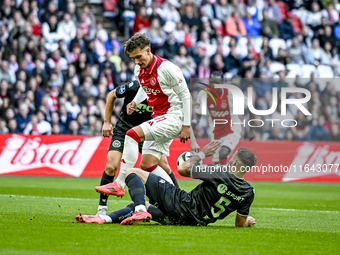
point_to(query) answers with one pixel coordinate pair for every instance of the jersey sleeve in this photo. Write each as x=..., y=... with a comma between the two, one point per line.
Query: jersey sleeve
x=244, y=209
x=126, y=88
x=201, y=102
x=173, y=76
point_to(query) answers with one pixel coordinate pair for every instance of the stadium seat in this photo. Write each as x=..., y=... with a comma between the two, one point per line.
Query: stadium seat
x=276, y=67
x=307, y=70
x=275, y=44
x=325, y=71
x=257, y=43
x=296, y=23
x=294, y=69
x=283, y=9
x=110, y=7
x=289, y=43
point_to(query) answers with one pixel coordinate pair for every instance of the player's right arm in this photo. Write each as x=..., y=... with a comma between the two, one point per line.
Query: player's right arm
x=207, y=151
x=107, y=129
x=139, y=97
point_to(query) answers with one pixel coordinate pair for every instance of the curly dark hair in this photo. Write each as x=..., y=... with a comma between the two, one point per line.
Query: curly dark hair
x=138, y=40
x=247, y=157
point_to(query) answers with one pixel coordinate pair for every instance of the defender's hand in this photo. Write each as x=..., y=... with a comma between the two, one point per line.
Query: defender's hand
x=185, y=134
x=107, y=130
x=130, y=108
x=250, y=221
x=194, y=146
x=211, y=148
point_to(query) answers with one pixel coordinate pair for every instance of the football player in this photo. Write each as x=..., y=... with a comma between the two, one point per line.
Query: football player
x=125, y=122
x=220, y=193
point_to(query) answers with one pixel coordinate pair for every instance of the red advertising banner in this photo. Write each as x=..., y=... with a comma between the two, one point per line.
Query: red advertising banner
x=85, y=156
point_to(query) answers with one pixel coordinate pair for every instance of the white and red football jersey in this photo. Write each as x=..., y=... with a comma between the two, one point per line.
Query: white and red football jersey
x=166, y=88
x=218, y=111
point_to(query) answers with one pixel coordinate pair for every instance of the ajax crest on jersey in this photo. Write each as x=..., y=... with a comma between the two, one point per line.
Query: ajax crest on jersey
x=185, y=156
x=153, y=81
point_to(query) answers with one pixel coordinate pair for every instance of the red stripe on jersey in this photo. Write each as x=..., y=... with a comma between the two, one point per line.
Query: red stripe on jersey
x=220, y=111
x=149, y=81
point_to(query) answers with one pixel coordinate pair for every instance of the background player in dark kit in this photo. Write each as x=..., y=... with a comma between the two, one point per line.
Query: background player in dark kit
x=125, y=122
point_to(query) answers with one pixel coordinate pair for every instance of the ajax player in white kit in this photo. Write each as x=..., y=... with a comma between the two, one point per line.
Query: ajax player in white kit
x=163, y=84
x=218, y=110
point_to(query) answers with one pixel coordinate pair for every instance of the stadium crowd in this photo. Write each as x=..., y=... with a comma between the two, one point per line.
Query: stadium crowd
x=58, y=63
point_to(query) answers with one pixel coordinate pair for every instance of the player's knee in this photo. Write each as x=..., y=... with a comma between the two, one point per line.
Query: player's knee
x=130, y=171
x=145, y=165
x=224, y=152
x=110, y=169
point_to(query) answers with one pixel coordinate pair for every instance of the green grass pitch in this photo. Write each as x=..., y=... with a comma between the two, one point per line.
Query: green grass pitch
x=37, y=216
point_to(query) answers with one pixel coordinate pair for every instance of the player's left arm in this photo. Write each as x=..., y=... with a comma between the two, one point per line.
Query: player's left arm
x=242, y=221
x=174, y=76
x=242, y=216
x=185, y=169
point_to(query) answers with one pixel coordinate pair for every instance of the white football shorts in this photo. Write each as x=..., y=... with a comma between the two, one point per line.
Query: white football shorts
x=159, y=133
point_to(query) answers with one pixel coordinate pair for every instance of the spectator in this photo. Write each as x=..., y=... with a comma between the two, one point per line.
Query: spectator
x=330, y=14
x=266, y=50
x=108, y=70
x=83, y=128
x=6, y=73
x=273, y=11
x=38, y=125
x=73, y=128
x=269, y=27
x=155, y=34
x=16, y=26
x=204, y=69
x=67, y=29
x=327, y=37
x=98, y=128
x=318, y=132
x=235, y=26
x=233, y=62
x=189, y=17
x=86, y=25
x=141, y=21
x=113, y=43
x=315, y=55
x=334, y=135
x=50, y=33
x=252, y=25
x=57, y=61
x=73, y=107
x=56, y=130
x=185, y=62
x=237, y=5
x=22, y=118
x=171, y=13
x=222, y=10
x=99, y=45
x=314, y=16
x=124, y=76
x=286, y=29
x=170, y=47
x=12, y=126
x=295, y=52
x=3, y=128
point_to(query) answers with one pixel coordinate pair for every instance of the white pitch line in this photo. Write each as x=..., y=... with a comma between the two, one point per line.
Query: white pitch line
x=294, y=210
x=61, y=198
x=129, y=201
